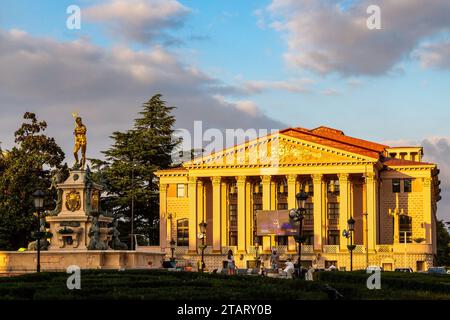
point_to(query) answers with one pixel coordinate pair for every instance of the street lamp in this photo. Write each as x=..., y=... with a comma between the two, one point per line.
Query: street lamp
x=349, y=235
x=202, y=236
x=38, y=197
x=172, y=249
x=297, y=215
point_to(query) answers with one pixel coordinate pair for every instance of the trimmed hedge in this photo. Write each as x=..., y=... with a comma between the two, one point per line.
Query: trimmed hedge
x=161, y=284
x=393, y=280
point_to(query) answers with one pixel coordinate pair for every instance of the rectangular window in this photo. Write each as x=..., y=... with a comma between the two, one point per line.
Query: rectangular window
x=183, y=232
x=395, y=185
x=309, y=237
x=309, y=214
x=232, y=240
x=232, y=220
x=407, y=185
x=282, y=240
x=405, y=229
x=333, y=237
x=256, y=239
x=333, y=212
x=402, y=235
x=180, y=190
x=282, y=206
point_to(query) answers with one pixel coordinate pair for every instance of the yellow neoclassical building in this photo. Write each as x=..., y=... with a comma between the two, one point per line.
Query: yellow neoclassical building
x=390, y=193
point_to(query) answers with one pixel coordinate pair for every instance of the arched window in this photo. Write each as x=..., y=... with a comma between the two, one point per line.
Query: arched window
x=183, y=232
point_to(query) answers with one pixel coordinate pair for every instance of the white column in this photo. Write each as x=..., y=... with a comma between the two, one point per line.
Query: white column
x=240, y=183
x=427, y=210
x=371, y=187
x=216, y=214
x=343, y=208
x=192, y=194
x=163, y=216
x=266, y=199
x=292, y=183
x=318, y=200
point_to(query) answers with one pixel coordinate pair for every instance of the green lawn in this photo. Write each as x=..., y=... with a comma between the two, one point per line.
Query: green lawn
x=159, y=284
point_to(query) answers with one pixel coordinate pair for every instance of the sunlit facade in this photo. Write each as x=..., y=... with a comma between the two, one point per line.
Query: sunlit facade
x=389, y=192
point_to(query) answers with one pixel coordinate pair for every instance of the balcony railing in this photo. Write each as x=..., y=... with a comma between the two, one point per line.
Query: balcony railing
x=180, y=249
x=384, y=248
x=331, y=248
x=413, y=248
x=307, y=248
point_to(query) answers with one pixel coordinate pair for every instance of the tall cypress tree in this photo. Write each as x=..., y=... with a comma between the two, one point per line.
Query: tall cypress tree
x=131, y=162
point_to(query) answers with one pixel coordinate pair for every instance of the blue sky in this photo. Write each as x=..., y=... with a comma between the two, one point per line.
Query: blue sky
x=272, y=63
x=223, y=39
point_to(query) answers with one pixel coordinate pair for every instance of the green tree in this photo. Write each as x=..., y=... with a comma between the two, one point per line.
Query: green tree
x=24, y=169
x=443, y=242
x=129, y=170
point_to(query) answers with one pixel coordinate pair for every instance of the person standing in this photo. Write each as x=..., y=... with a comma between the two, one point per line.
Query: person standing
x=309, y=274
x=274, y=260
x=230, y=263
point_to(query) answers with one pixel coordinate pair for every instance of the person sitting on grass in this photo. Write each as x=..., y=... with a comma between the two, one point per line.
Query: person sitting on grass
x=230, y=263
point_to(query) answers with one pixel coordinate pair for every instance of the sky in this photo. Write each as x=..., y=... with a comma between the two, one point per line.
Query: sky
x=232, y=64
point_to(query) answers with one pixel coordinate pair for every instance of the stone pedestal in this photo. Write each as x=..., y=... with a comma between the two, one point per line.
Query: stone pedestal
x=78, y=204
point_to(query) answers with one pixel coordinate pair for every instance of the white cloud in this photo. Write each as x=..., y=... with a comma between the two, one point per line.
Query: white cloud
x=436, y=150
x=260, y=22
x=354, y=83
x=248, y=106
x=323, y=37
x=436, y=55
x=139, y=20
x=106, y=87
x=290, y=85
x=330, y=92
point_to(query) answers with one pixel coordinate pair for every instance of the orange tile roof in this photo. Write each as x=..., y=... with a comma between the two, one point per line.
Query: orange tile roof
x=339, y=135
x=336, y=139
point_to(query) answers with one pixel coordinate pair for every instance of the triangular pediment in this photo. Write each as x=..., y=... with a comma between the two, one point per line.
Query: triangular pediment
x=277, y=149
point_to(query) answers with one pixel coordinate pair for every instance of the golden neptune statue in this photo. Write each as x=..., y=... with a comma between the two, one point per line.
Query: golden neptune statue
x=80, y=142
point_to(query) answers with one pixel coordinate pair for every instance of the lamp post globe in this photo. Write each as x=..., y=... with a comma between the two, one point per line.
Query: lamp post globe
x=293, y=213
x=351, y=224
x=301, y=198
x=38, y=198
